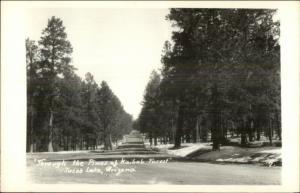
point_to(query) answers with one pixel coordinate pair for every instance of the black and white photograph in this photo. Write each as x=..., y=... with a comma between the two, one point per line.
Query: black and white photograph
x=166, y=95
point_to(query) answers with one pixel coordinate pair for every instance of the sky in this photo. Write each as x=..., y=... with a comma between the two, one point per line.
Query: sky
x=121, y=46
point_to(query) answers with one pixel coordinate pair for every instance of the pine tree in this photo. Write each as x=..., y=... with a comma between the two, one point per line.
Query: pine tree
x=32, y=89
x=217, y=60
x=108, y=107
x=55, y=61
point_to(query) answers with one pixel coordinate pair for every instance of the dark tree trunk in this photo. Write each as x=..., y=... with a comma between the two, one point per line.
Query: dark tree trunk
x=81, y=143
x=107, y=141
x=65, y=143
x=250, y=133
x=155, y=141
x=179, y=128
x=225, y=132
x=278, y=125
x=243, y=137
x=194, y=135
x=216, y=118
x=86, y=143
x=60, y=142
x=150, y=139
x=50, y=145
x=243, y=132
x=172, y=133
x=215, y=139
x=42, y=140
x=188, y=138
x=204, y=133
x=165, y=139
x=279, y=132
x=170, y=137
x=74, y=143
x=198, y=129
x=31, y=135
x=270, y=132
x=258, y=133
x=215, y=131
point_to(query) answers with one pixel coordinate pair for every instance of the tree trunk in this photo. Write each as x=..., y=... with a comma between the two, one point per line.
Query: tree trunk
x=278, y=125
x=196, y=132
x=81, y=145
x=194, y=135
x=31, y=73
x=198, y=129
x=165, y=140
x=279, y=132
x=225, y=131
x=258, y=134
x=150, y=139
x=50, y=145
x=188, y=138
x=107, y=141
x=243, y=137
x=172, y=133
x=86, y=143
x=270, y=131
x=179, y=129
x=250, y=133
x=96, y=143
x=76, y=143
x=65, y=144
x=216, y=118
x=72, y=143
x=155, y=141
x=32, y=138
x=215, y=139
x=243, y=132
x=110, y=142
x=215, y=132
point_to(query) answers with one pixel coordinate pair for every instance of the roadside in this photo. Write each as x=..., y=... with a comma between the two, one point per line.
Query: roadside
x=199, y=152
x=264, y=155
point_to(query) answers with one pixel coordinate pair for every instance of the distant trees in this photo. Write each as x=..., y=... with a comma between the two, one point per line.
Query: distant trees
x=65, y=112
x=150, y=114
x=221, y=73
x=109, y=108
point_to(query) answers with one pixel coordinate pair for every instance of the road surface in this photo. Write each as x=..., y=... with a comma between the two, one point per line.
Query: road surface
x=192, y=173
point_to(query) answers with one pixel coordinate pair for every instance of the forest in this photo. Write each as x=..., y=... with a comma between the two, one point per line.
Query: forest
x=65, y=112
x=220, y=78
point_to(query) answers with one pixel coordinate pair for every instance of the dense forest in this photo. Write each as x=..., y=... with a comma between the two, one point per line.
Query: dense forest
x=220, y=78
x=65, y=112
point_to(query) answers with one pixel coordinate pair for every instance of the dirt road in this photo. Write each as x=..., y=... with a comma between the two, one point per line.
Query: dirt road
x=193, y=173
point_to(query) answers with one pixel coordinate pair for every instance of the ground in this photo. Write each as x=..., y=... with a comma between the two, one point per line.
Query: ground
x=181, y=166
x=264, y=155
x=193, y=173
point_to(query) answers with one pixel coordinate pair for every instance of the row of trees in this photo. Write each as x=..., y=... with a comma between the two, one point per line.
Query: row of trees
x=220, y=73
x=65, y=112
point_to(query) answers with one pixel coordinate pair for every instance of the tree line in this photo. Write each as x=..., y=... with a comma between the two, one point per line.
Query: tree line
x=64, y=111
x=220, y=77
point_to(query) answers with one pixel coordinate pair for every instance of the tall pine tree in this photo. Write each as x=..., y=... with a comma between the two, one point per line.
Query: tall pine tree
x=55, y=61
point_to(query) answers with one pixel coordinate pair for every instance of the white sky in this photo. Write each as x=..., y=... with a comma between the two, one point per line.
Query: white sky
x=120, y=46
